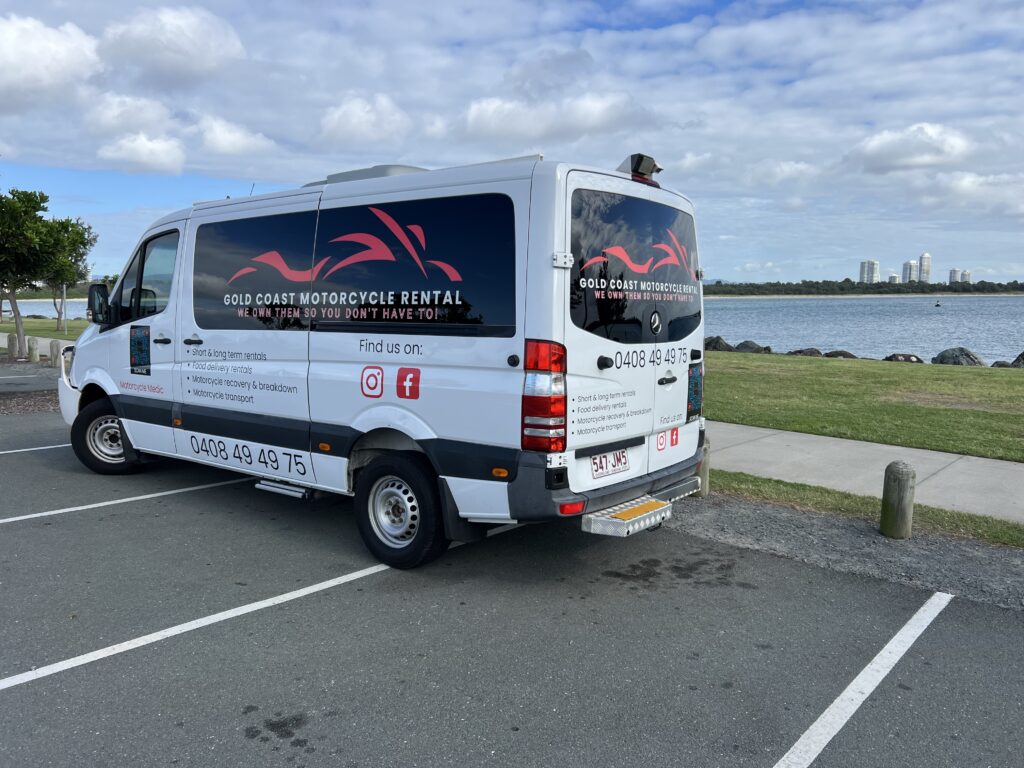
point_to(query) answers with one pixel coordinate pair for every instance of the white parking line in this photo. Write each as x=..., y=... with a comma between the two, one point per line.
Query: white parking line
x=817, y=737
x=40, y=448
x=163, y=634
x=122, y=501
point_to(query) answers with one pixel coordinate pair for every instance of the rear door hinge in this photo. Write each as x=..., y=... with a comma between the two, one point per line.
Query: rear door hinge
x=562, y=260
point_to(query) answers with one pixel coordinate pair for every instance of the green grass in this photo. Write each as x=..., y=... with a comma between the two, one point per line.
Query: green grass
x=817, y=499
x=974, y=411
x=46, y=329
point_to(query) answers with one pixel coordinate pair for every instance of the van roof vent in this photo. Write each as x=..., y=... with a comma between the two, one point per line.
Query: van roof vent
x=374, y=172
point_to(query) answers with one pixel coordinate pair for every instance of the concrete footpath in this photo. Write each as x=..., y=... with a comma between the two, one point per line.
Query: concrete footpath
x=948, y=480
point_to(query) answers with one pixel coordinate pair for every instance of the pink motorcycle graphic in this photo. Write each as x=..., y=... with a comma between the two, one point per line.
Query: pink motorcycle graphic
x=677, y=257
x=376, y=250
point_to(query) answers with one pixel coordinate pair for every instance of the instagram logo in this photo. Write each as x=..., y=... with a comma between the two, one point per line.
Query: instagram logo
x=371, y=382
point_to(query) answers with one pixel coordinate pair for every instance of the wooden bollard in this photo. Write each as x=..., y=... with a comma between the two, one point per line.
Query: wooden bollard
x=12, y=345
x=705, y=469
x=55, y=358
x=33, y=349
x=898, y=501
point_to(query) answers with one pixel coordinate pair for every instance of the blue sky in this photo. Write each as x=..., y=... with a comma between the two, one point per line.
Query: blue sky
x=809, y=135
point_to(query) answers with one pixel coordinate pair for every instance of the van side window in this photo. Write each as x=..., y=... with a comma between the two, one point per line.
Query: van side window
x=252, y=274
x=440, y=265
x=122, y=302
x=157, y=274
x=146, y=294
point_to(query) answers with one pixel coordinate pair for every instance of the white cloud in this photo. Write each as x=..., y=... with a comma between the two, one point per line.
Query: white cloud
x=774, y=172
x=922, y=145
x=1000, y=193
x=114, y=113
x=7, y=150
x=226, y=138
x=38, y=63
x=173, y=46
x=691, y=161
x=498, y=118
x=141, y=153
x=357, y=119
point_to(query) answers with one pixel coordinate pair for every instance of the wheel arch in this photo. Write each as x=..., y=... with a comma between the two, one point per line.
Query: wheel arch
x=378, y=442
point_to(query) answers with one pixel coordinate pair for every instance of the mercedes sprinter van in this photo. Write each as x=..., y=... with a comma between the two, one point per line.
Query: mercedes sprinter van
x=508, y=342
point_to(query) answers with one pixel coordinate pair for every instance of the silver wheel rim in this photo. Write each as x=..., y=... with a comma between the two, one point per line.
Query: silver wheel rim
x=104, y=438
x=394, y=511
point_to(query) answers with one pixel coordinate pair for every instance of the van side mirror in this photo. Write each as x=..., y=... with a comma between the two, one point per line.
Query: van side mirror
x=99, y=303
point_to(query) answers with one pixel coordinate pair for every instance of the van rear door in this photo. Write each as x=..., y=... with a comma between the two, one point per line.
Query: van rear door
x=679, y=353
x=631, y=305
x=611, y=380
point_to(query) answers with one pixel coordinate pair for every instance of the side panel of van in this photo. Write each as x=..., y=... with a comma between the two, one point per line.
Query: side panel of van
x=243, y=338
x=419, y=310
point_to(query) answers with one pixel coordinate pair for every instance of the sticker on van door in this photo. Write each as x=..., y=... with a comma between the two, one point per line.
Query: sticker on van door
x=139, y=350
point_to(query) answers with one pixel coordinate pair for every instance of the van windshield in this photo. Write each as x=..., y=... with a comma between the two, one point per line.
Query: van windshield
x=630, y=258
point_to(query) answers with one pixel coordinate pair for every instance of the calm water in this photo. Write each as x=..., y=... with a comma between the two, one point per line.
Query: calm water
x=990, y=326
x=44, y=307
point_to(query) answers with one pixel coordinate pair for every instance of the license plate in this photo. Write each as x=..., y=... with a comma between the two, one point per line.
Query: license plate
x=610, y=463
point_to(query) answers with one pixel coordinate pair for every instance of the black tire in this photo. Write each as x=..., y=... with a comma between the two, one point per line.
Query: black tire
x=398, y=511
x=97, y=440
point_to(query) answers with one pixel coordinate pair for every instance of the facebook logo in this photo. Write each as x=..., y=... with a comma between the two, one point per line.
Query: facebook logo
x=409, y=383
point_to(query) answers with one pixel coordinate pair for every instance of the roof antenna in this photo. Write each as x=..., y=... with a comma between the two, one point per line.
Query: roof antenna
x=252, y=188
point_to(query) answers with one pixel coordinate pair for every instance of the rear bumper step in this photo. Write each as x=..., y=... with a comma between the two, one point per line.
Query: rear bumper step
x=628, y=518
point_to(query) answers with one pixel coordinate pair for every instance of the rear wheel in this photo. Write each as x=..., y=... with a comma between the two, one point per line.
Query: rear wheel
x=398, y=511
x=97, y=440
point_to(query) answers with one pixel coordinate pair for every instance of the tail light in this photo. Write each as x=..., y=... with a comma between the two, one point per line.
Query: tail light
x=544, y=397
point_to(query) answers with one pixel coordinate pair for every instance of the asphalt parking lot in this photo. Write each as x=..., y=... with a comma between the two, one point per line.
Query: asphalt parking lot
x=540, y=646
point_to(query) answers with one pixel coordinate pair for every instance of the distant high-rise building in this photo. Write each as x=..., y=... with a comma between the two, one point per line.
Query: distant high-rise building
x=894, y=278
x=910, y=271
x=954, y=276
x=869, y=272
x=965, y=276
x=924, y=268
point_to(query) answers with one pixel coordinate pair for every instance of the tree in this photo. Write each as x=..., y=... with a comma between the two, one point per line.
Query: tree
x=23, y=238
x=69, y=242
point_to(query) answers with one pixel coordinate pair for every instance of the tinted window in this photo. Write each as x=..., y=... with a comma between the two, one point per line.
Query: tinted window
x=157, y=274
x=139, y=297
x=630, y=258
x=123, y=303
x=253, y=274
x=443, y=265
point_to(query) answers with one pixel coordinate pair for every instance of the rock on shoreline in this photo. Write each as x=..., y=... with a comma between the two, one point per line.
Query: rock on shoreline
x=951, y=356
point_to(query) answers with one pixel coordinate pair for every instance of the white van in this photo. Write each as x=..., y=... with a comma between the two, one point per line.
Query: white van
x=507, y=342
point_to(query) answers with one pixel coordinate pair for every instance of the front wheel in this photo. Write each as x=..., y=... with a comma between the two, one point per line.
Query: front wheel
x=398, y=511
x=98, y=442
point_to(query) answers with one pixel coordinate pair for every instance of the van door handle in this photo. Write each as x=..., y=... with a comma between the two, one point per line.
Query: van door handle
x=193, y=341
x=604, y=362
x=161, y=340
x=667, y=380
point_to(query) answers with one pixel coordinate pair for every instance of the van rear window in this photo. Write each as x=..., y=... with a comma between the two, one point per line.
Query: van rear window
x=439, y=265
x=630, y=258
